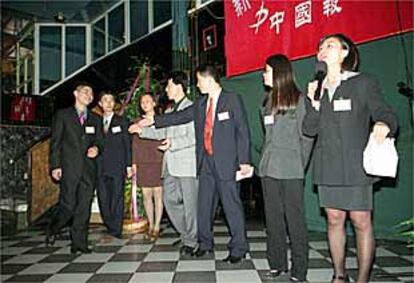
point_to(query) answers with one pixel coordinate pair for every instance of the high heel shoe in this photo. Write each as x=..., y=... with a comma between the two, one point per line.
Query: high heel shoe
x=343, y=278
x=148, y=235
x=155, y=235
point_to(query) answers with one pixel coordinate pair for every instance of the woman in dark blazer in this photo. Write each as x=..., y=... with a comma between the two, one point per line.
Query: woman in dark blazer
x=342, y=120
x=284, y=158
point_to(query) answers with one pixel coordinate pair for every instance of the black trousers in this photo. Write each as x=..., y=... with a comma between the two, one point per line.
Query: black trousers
x=74, y=208
x=228, y=191
x=111, y=202
x=285, y=214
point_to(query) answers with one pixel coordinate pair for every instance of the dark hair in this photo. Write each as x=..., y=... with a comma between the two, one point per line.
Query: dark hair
x=105, y=92
x=179, y=78
x=209, y=70
x=284, y=93
x=82, y=84
x=351, y=61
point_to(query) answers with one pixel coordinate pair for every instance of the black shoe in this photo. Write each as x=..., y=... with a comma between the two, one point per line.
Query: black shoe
x=296, y=279
x=73, y=250
x=234, y=259
x=274, y=273
x=201, y=253
x=118, y=236
x=186, y=250
x=344, y=278
x=177, y=243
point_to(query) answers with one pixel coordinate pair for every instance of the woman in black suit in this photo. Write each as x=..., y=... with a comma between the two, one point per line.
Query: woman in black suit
x=350, y=107
x=285, y=155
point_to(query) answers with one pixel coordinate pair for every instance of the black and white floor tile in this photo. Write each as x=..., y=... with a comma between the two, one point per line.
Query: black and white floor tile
x=25, y=258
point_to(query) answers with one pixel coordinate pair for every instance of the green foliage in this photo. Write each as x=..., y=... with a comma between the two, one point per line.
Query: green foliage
x=406, y=230
x=146, y=83
x=127, y=198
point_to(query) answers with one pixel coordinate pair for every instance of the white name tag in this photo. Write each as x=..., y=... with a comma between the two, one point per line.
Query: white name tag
x=116, y=129
x=269, y=120
x=342, y=105
x=89, y=130
x=223, y=116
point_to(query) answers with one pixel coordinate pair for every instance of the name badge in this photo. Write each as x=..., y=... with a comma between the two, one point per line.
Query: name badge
x=116, y=129
x=269, y=120
x=342, y=105
x=223, y=116
x=89, y=130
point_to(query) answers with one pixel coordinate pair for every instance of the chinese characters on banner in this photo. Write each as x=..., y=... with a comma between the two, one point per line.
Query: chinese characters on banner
x=23, y=109
x=256, y=29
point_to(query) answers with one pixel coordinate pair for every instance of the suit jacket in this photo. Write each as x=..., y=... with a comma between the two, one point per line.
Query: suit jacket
x=180, y=158
x=231, y=139
x=286, y=150
x=70, y=142
x=117, y=150
x=343, y=135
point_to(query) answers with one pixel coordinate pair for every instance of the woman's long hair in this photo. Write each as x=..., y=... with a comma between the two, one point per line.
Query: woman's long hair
x=284, y=94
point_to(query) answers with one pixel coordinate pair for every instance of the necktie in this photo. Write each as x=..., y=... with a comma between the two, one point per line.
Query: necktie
x=82, y=118
x=106, y=126
x=208, y=128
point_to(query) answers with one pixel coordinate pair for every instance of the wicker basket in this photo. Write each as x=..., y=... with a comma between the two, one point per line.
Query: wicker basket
x=130, y=226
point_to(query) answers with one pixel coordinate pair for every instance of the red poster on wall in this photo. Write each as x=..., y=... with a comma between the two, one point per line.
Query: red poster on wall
x=23, y=109
x=256, y=29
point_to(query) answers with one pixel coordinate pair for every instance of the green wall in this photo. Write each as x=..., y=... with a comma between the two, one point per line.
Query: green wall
x=393, y=201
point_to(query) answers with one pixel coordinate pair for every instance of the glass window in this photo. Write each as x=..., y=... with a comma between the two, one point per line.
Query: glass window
x=116, y=27
x=30, y=75
x=21, y=64
x=75, y=48
x=28, y=45
x=139, y=18
x=162, y=11
x=50, y=56
x=98, y=39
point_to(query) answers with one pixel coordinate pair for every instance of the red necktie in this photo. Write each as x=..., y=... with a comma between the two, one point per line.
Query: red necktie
x=208, y=128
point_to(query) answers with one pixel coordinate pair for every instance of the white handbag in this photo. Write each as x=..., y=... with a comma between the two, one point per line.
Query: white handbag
x=380, y=159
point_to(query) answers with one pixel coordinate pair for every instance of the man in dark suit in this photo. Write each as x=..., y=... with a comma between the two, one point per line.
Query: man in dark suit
x=113, y=164
x=222, y=148
x=75, y=143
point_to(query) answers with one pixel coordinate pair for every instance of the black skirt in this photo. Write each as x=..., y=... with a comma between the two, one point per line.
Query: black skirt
x=346, y=197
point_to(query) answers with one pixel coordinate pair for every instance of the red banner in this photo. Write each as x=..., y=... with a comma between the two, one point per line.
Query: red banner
x=255, y=29
x=23, y=109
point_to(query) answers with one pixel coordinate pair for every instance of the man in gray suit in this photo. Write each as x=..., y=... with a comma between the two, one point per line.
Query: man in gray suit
x=222, y=150
x=179, y=165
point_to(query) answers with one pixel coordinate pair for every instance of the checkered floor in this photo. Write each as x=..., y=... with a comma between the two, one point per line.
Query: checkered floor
x=24, y=258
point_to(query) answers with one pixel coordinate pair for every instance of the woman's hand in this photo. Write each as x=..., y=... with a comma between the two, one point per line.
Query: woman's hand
x=380, y=131
x=134, y=129
x=312, y=86
x=129, y=172
x=165, y=145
